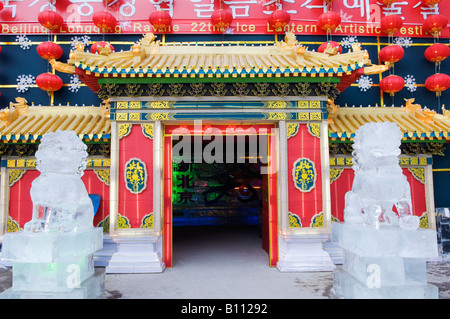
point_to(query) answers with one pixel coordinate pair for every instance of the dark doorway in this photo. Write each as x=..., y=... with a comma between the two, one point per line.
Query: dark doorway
x=213, y=199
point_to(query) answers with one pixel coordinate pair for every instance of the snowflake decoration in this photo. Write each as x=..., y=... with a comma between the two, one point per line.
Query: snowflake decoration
x=24, y=82
x=75, y=83
x=83, y=39
x=364, y=83
x=403, y=41
x=124, y=25
x=410, y=83
x=345, y=17
x=347, y=42
x=24, y=42
x=228, y=30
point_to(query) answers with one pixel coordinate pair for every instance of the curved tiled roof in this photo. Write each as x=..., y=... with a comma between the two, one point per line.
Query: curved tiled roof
x=89, y=123
x=414, y=122
x=150, y=59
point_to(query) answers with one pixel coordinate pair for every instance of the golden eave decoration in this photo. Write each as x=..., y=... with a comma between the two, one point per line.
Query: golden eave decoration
x=29, y=123
x=148, y=58
x=415, y=122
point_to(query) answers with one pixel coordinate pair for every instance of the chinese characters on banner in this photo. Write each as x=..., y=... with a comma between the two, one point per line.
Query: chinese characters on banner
x=359, y=17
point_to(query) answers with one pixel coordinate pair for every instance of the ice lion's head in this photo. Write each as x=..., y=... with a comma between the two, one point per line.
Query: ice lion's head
x=377, y=143
x=385, y=136
x=61, y=152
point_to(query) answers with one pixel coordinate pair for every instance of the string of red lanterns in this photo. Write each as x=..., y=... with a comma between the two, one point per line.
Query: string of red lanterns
x=328, y=22
x=392, y=53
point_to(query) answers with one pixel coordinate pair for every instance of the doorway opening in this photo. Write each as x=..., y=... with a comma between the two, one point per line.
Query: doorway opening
x=219, y=192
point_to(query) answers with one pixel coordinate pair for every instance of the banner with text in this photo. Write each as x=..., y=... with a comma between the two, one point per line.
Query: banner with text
x=359, y=17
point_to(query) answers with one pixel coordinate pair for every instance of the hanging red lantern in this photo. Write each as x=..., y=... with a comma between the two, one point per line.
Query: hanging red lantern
x=49, y=50
x=392, y=84
x=329, y=21
x=1, y=6
x=278, y=20
x=333, y=44
x=437, y=83
x=50, y=19
x=391, y=53
x=430, y=2
x=434, y=24
x=160, y=20
x=102, y=47
x=388, y=2
x=437, y=52
x=391, y=24
x=221, y=19
x=104, y=20
x=49, y=82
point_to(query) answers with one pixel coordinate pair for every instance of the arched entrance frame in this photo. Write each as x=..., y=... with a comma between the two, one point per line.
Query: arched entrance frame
x=269, y=172
x=299, y=245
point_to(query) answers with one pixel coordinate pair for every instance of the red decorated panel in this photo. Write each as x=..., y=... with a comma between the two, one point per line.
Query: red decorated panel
x=135, y=206
x=94, y=185
x=21, y=206
x=344, y=183
x=305, y=147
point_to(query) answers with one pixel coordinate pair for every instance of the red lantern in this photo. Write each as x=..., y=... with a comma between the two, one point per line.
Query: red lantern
x=437, y=83
x=104, y=20
x=392, y=84
x=437, y=52
x=102, y=47
x=49, y=50
x=388, y=2
x=430, y=2
x=49, y=82
x=279, y=19
x=391, y=53
x=50, y=19
x=1, y=6
x=391, y=23
x=160, y=20
x=329, y=21
x=333, y=44
x=434, y=24
x=221, y=19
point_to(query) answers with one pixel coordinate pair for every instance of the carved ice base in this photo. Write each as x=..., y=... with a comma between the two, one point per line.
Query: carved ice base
x=136, y=255
x=386, y=263
x=303, y=253
x=53, y=265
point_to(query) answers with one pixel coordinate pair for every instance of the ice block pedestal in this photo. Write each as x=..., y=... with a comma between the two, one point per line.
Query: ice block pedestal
x=53, y=265
x=384, y=263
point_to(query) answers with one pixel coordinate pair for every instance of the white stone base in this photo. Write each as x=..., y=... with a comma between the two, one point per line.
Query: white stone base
x=303, y=253
x=103, y=256
x=136, y=255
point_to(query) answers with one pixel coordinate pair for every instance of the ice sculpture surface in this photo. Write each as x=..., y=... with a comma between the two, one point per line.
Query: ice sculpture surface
x=60, y=200
x=379, y=182
x=53, y=256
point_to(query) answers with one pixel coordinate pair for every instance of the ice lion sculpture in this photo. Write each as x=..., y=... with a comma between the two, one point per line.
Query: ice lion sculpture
x=60, y=200
x=379, y=182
